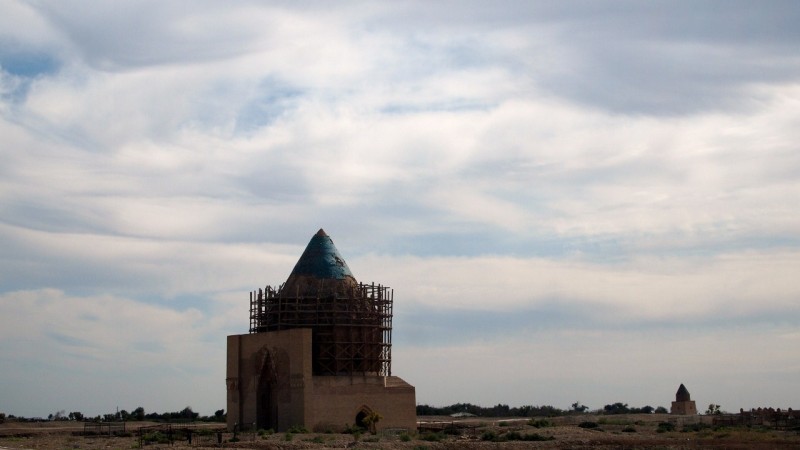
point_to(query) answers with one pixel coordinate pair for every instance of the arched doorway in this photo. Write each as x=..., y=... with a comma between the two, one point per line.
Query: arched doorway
x=361, y=417
x=266, y=408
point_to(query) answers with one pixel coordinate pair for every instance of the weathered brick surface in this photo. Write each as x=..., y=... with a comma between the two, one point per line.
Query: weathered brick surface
x=270, y=385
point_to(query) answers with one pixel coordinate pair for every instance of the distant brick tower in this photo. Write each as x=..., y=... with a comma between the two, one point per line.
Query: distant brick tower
x=318, y=353
x=683, y=404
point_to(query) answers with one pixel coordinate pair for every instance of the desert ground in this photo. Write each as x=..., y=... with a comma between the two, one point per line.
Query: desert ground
x=571, y=432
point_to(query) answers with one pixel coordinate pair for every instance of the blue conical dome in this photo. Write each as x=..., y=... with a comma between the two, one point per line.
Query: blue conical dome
x=321, y=259
x=321, y=270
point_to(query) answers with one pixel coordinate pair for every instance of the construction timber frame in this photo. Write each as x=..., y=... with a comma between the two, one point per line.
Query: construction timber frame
x=351, y=331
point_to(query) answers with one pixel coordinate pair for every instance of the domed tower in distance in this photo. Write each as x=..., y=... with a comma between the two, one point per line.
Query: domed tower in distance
x=318, y=353
x=683, y=404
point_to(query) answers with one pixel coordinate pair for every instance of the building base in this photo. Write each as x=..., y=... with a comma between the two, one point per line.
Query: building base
x=684, y=408
x=271, y=386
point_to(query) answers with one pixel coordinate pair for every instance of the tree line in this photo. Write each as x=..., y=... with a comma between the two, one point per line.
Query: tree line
x=501, y=410
x=138, y=414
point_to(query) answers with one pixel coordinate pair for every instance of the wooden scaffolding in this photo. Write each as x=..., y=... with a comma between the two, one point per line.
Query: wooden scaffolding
x=351, y=330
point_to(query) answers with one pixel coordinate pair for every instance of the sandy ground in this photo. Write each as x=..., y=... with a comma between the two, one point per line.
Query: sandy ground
x=613, y=432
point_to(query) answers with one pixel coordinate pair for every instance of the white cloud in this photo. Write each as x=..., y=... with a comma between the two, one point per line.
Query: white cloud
x=558, y=367
x=24, y=25
x=647, y=289
x=140, y=266
x=64, y=350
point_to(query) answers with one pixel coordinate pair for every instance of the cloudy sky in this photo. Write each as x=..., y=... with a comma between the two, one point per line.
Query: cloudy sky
x=574, y=201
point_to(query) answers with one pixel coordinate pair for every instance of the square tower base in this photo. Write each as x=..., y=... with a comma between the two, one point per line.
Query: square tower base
x=271, y=385
x=684, y=408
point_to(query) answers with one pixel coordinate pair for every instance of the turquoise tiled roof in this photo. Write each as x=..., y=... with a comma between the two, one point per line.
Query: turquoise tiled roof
x=321, y=259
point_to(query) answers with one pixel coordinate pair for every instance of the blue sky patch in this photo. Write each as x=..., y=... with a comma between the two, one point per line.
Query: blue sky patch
x=28, y=65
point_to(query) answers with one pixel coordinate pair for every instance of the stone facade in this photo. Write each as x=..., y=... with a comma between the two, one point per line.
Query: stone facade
x=271, y=385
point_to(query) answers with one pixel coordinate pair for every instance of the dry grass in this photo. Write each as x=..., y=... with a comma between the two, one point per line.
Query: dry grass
x=612, y=432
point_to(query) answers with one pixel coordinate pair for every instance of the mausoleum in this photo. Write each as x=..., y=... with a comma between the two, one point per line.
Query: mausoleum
x=318, y=353
x=683, y=404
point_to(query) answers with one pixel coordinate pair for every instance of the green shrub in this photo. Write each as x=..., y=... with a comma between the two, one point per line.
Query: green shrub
x=371, y=419
x=352, y=429
x=664, y=427
x=405, y=437
x=288, y=436
x=263, y=432
x=629, y=429
x=489, y=435
x=297, y=429
x=694, y=427
x=316, y=440
x=451, y=430
x=607, y=421
x=156, y=436
x=588, y=424
x=432, y=437
x=537, y=437
x=513, y=436
x=540, y=423
x=326, y=428
x=503, y=424
x=517, y=436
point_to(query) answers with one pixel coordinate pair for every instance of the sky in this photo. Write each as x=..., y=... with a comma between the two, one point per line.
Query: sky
x=590, y=201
